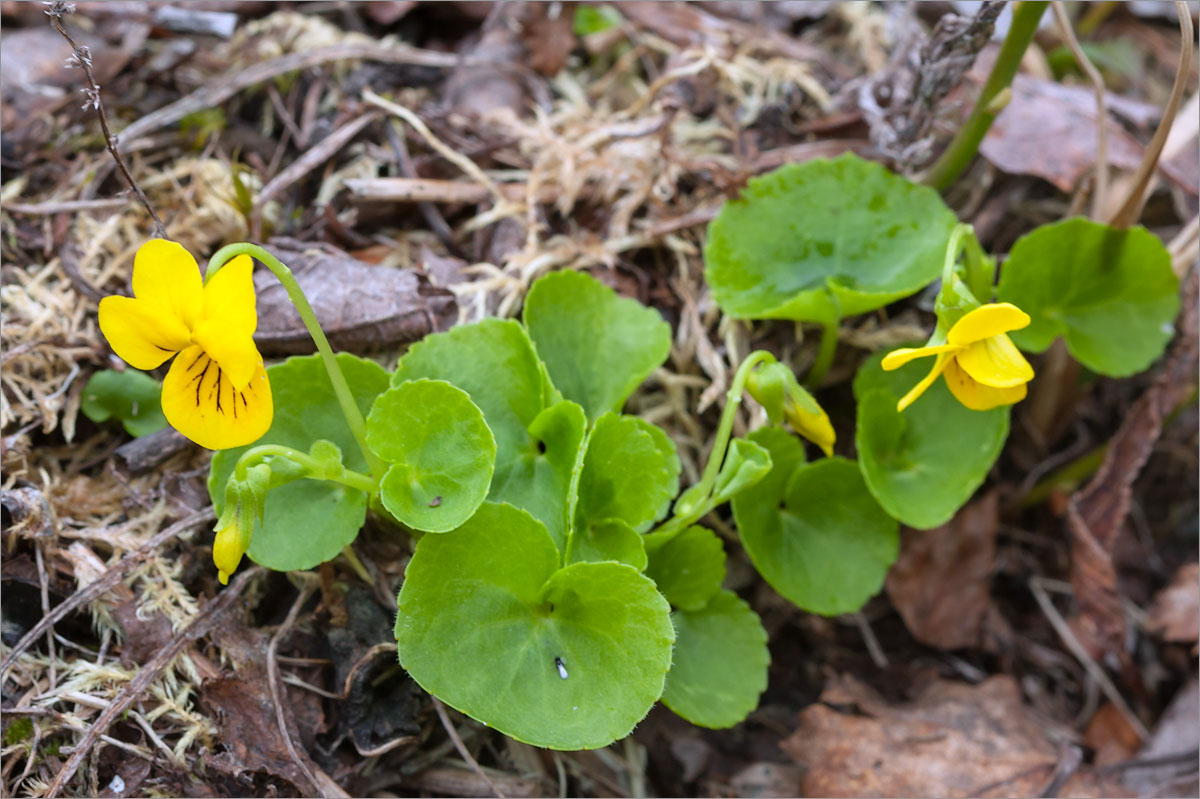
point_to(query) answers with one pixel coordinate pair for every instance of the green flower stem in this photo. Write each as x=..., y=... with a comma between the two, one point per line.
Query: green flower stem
x=981, y=270
x=317, y=469
x=687, y=512
x=829, y=341
x=954, y=247
x=349, y=408
x=966, y=142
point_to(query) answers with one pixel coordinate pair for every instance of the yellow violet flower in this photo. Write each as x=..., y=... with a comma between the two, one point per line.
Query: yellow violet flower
x=811, y=421
x=983, y=368
x=227, y=552
x=216, y=392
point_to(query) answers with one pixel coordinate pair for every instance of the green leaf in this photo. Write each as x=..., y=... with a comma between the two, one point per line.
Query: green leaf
x=1111, y=294
x=825, y=239
x=595, y=19
x=539, y=479
x=630, y=472
x=720, y=663
x=566, y=658
x=925, y=463
x=819, y=538
x=745, y=464
x=440, y=450
x=307, y=522
x=131, y=396
x=494, y=362
x=608, y=540
x=598, y=346
x=687, y=568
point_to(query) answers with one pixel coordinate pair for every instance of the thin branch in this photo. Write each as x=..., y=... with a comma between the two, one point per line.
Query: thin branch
x=1131, y=209
x=273, y=681
x=82, y=58
x=461, y=747
x=1100, y=188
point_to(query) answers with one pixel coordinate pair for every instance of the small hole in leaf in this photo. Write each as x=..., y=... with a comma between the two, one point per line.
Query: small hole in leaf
x=541, y=447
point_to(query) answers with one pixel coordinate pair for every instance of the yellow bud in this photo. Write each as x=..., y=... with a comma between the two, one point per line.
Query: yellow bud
x=227, y=552
x=815, y=426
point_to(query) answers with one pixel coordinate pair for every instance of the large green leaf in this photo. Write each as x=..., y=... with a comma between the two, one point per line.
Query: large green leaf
x=307, y=522
x=825, y=239
x=608, y=539
x=566, y=658
x=925, y=463
x=720, y=662
x=814, y=532
x=1111, y=294
x=598, y=346
x=133, y=397
x=440, y=450
x=687, y=568
x=630, y=472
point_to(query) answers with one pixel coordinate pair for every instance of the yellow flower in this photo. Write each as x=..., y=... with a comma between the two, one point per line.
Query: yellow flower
x=227, y=552
x=810, y=420
x=216, y=392
x=983, y=368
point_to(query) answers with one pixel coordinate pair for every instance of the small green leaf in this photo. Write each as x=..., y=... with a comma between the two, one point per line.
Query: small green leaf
x=817, y=536
x=494, y=362
x=595, y=19
x=131, y=396
x=1111, y=294
x=598, y=346
x=566, y=658
x=630, y=472
x=307, y=522
x=608, y=539
x=687, y=568
x=539, y=479
x=825, y=239
x=720, y=662
x=925, y=463
x=440, y=450
x=745, y=464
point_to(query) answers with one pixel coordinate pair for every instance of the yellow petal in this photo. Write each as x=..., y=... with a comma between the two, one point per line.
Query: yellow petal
x=166, y=276
x=234, y=351
x=815, y=426
x=227, y=552
x=229, y=295
x=138, y=334
x=897, y=358
x=996, y=362
x=199, y=401
x=976, y=395
x=986, y=321
x=943, y=358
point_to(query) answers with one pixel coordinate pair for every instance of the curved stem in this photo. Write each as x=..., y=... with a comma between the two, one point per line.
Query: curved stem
x=965, y=144
x=829, y=341
x=349, y=478
x=686, y=513
x=954, y=247
x=341, y=389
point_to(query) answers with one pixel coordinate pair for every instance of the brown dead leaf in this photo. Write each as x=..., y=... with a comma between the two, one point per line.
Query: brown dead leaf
x=1176, y=736
x=360, y=307
x=1176, y=611
x=1097, y=512
x=1111, y=736
x=387, y=12
x=941, y=582
x=1045, y=131
x=954, y=739
x=548, y=39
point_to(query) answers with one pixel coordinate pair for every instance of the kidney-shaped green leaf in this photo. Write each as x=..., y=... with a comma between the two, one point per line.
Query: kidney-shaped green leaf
x=1111, y=294
x=824, y=239
x=820, y=539
x=720, y=663
x=566, y=658
x=630, y=472
x=307, y=522
x=131, y=396
x=925, y=463
x=598, y=346
x=608, y=539
x=440, y=450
